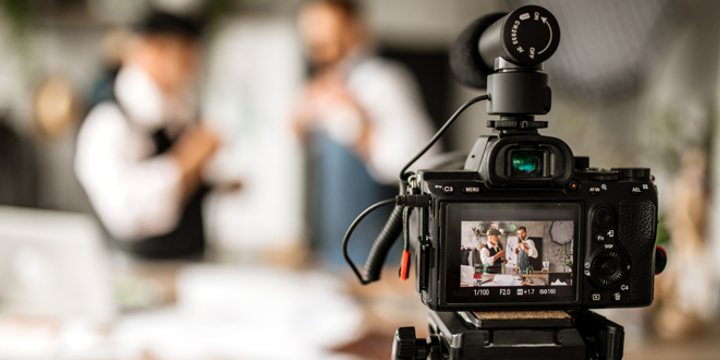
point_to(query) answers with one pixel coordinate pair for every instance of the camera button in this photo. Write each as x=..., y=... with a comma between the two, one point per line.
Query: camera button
x=448, y=189
x=573, y=187
x=617, y=296
x=471, y=189
x=604, y=217
x=594, y=190
x=600, y=238
x=635, y=190
x=595, y=296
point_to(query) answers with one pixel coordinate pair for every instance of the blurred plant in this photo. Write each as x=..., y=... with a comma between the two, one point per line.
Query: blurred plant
x=565, y=258
x=17, y=13
x=219, y=8
x=663, y=235
x=480, y=230
x=477, y=231
x=16, y=17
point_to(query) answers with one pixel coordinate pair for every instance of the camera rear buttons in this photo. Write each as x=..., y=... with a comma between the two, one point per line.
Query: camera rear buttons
x=604, y=217
x=595, y=296
x=573, y=187
x=602, y=236
x=595, y=190
x=617, y=296
x=446, y=189
x=637, y=190
x=636, y=174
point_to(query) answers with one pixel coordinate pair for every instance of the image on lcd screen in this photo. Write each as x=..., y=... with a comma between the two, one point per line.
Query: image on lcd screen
x=516, y=253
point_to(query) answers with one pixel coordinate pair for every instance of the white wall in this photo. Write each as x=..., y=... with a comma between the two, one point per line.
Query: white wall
x=254, y=75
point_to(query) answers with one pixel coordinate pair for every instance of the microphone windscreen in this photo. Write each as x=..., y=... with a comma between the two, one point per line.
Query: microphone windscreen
x=466, y=64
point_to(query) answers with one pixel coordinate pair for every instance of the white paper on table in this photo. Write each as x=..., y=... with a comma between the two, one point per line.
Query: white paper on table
x=467, y=275
x=506, y=280
x=230, y=312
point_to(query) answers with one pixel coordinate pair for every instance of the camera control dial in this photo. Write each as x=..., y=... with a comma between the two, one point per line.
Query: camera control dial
x=637, y=174
x=604, y=176
x=608, y=268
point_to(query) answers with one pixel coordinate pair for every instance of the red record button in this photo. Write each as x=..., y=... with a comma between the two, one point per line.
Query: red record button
x=573, y=187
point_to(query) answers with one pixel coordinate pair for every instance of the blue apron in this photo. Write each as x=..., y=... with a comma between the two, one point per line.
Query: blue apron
x=523, y=261
x=343, y=188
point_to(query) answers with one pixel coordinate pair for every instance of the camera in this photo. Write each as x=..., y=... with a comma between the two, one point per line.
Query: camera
x=589, y=234
x=512, y=247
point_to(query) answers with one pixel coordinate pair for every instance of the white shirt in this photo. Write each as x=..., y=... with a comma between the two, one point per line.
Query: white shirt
x=390, y=97
x=485, y=255
x=135, y=194
x=532, y=252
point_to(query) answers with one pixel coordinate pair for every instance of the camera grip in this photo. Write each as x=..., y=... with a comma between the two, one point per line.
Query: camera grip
x=636, y=234
x=379, y=252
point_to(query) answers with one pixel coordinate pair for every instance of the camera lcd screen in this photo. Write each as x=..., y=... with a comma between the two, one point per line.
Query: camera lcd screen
x=512, y=252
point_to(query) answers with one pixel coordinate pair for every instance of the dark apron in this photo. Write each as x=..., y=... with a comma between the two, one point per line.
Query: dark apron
x=496, y=267
x=187, y=240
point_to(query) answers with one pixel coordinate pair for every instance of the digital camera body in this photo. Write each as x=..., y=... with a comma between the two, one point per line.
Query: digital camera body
x=593, y=231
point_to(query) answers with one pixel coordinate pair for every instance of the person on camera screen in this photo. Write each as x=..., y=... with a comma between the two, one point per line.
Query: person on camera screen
x=525, y=249
x=492, y=253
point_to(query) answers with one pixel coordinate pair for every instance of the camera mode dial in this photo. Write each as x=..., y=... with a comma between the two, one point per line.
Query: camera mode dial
x=608, y=268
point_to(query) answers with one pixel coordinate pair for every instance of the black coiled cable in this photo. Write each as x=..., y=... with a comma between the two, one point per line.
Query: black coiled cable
x=389, y=234
x=380, y=249
x=381, y=239
x=394, y=226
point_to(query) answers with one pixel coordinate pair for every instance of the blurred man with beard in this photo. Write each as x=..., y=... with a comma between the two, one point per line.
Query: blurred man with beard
x=525, y=250
x=362, y=116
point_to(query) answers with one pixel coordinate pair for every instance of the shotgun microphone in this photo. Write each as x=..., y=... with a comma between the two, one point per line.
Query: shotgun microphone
x=525, y=37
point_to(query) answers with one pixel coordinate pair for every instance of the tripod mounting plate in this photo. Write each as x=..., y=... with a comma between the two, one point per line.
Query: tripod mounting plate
x=539, y=335
x=517, y=319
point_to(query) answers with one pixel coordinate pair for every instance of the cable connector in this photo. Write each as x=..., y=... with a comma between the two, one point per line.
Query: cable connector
x=413, y=200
